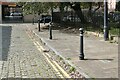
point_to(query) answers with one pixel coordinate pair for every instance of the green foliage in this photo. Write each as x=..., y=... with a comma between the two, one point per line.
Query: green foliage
x=114, y=28
x=68, y=58
x=72, y=69
x=37, y=7
x=62, y=5
x=118, y=6
x=84, y=5
x=115, y=31
x=47, y=7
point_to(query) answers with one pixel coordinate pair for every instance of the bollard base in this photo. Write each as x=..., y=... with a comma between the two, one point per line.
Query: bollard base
x=39, y=29
x=81, y=57
x=33, y=22
x=50, y=38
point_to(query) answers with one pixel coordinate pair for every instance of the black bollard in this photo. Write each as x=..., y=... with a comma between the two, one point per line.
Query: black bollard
x=44, y=20
x=33, y=21
x=81, y=44
x=39, y=25
x=50, y=30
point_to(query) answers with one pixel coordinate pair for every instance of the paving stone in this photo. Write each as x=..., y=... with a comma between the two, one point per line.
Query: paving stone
x=24, y=60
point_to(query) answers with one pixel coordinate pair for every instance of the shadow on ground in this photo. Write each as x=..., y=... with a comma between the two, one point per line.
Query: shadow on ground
x=99, y=59
x=6, y=39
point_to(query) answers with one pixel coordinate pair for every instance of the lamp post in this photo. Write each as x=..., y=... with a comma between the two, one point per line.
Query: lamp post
x=106, y=29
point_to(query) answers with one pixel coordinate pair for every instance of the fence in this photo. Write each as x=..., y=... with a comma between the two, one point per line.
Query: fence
x=96, y=21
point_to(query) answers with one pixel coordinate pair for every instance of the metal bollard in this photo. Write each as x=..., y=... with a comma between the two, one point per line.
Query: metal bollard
x=50, y=30
x=81, y=44
x=44, y=20
x=33, y=21
x=39, y=25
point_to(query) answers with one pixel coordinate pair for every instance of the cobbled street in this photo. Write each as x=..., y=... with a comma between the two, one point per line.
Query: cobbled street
x=23, y=59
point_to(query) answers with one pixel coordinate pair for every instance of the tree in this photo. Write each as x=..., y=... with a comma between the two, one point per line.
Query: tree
x=118, y=6
x=77, y=8
x=42, y=7
x=34, y=7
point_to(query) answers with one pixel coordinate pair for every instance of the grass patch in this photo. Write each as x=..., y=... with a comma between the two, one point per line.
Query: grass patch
x=68, y=58
x=72, y=69
x=114, y=31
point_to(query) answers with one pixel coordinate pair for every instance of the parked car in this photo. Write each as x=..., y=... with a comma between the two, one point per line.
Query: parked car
x=15, y=15
x=46, y=19
x=70, y=18
x=64, y=19
x=114, y=16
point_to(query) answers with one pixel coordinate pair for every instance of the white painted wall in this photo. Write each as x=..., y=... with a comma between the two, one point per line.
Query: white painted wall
x=111, y=5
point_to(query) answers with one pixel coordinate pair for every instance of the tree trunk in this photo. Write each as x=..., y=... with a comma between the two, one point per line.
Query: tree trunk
x=90, y=9
x=61, y=12
x=78, y=11
x=99, y=4
x=118, y=6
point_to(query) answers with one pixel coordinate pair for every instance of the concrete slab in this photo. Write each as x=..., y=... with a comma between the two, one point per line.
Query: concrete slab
x=101, y=58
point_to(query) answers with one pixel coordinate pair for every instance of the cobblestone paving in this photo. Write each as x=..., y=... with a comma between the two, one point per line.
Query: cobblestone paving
x=24, y=60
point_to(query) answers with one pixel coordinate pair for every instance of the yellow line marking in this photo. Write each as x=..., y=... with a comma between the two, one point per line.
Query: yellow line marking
x=49, y=61
x=40, y=48
x=54, y=67
x=40, y=45
x=60, y=68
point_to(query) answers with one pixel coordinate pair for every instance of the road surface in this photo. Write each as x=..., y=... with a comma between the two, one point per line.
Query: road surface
x=23, y=56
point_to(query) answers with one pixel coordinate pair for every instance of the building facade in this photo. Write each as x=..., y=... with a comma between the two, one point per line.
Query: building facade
x=111, y=5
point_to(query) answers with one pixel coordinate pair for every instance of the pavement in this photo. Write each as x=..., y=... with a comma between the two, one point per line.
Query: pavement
x=101, y=57
x=21, y=58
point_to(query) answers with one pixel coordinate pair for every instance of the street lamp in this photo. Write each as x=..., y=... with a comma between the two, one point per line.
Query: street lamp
x=106, y=30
